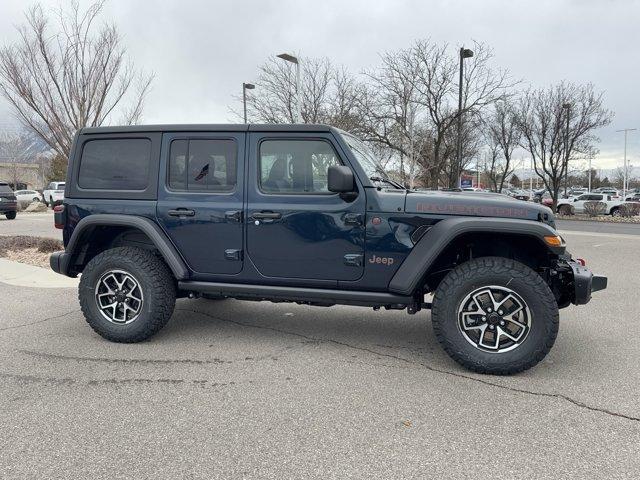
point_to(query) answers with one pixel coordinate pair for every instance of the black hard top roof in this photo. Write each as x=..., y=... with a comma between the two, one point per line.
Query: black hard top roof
x=284, y=127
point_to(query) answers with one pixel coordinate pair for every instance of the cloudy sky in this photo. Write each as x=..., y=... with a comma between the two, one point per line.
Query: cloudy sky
x=202, y=50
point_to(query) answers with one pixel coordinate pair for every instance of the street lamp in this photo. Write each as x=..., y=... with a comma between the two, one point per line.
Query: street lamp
x=567, y=107
x=245, y=87
x=624, y=180
x=464, y=53
x=290, y=58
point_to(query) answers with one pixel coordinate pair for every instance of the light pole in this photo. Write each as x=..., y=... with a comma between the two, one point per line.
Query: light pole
x=290, y=58
x=624, y=181
x=531, y=177
x=245, y=87
x=464, y=53
x=567, y=107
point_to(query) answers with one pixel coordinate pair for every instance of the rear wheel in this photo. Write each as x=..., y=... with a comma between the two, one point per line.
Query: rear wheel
x=615, y=212
x=10, y=215
x=127, y=294
x=495, y=315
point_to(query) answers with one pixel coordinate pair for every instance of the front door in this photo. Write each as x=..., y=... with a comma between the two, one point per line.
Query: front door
x=296, y=228
x=200, y=199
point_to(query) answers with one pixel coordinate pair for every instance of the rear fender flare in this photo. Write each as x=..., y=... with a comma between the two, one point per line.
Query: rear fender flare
x=85, y=227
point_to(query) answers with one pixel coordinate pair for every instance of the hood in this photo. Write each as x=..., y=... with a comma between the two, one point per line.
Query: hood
x=477, y=204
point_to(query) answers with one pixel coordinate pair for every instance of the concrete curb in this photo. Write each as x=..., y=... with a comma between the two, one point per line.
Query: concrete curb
x=23, y=275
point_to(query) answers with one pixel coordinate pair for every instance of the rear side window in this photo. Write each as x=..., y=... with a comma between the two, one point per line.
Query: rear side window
x=203, y=165
x=115, y=164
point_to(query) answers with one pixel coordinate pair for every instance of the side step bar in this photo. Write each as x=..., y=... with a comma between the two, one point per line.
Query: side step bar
x=296, y=294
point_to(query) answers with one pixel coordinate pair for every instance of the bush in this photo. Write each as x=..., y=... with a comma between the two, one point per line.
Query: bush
x=21, y=242
x=566, y=210
x=630, y=209
x=593, y=209
x=49, y=245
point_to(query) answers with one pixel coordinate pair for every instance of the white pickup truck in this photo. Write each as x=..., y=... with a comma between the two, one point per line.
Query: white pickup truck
x=54, y=193
x=613, y=206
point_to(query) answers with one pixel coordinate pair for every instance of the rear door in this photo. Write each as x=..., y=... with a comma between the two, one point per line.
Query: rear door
x=200, y=198
x=296, y=228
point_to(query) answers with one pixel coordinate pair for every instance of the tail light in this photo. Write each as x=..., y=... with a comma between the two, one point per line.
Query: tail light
x=58, y=216
x=581, y=261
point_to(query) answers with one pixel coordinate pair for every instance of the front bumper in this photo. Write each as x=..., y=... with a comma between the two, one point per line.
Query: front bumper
x=585, y=283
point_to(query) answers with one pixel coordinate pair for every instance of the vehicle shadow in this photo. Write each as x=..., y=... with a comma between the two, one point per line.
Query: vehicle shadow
x=243, y=323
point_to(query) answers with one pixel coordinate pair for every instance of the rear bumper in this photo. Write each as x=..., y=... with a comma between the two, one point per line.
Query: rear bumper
x=585, y=283
x=59, y=262
x=6, y=207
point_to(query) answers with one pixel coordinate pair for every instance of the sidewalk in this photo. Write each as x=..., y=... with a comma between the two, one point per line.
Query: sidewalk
x=23, y=275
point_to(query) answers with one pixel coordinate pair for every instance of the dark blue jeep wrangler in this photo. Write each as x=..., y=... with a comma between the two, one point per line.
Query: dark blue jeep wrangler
x=305, y=213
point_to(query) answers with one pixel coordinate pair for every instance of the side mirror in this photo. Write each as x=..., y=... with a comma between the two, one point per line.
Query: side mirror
x=340, y=179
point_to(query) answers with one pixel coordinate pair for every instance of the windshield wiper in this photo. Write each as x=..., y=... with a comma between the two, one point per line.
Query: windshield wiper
x=387, y=180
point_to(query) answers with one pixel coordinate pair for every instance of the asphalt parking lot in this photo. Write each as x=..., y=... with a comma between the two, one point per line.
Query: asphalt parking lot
x=258, y=390
x=37, y=224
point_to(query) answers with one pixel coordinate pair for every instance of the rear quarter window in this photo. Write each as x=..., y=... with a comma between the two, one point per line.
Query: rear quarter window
x=115, y=164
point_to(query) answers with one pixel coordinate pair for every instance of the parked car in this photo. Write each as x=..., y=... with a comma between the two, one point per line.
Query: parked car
x=543, y=197
x=612, y=206
x=54, y=193
x=614, y=193
x=633, y=198
x=8, y=202
x=520, y=195
x=305, y=214
x=28, y=196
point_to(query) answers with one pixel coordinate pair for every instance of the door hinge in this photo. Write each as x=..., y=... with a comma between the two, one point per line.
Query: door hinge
x=353, y=259
x=353, y=219
x=233, y=254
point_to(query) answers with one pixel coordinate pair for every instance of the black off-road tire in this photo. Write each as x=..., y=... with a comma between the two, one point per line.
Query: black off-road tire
x=156, y=282
x=501, y=272
x=10, y=215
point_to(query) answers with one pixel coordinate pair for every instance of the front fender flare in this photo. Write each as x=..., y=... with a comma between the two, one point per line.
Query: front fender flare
x=432, y=244
x=146, y=225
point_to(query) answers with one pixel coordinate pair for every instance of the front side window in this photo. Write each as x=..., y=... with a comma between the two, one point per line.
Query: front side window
x=114, y=164
x=204, y=165
x=295, y=166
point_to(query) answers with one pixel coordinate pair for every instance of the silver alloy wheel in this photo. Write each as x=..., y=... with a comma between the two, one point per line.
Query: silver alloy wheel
x=494, y=319
x=119, y=297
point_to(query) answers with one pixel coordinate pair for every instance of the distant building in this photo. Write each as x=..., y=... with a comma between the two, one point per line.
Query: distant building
x=29, y=176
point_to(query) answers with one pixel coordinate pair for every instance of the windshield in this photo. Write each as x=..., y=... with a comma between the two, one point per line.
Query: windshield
x=364, y=157
x=4, y=188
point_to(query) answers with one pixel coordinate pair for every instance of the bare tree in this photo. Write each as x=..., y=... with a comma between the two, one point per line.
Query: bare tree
x=619, y=175
x=391, y=114
x=328, y=93
x=541, y=118
x=62, y=76
x=437, y=86
x=503, y=137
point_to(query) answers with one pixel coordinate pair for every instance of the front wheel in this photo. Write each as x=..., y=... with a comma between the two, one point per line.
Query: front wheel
x=127, y=294
x=495, y=315
x=615, y=212
x=10, y=215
